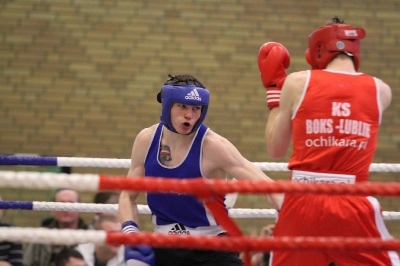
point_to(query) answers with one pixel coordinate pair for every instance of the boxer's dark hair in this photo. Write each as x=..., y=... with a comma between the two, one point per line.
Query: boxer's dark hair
x=334, y=20
x=183, y=79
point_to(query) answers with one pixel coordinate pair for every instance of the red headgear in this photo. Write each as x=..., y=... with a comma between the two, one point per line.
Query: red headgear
x=328, y=41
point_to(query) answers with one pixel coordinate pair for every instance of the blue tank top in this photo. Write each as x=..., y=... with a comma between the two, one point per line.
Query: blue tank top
x=168, y=208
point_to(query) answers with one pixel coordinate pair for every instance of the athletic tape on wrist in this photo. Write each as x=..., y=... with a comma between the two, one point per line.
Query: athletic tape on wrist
x=273, y=98
x=130, y=227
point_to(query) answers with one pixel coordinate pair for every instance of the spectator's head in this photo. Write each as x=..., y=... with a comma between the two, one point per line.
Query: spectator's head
x=66, y=219
x=108, y=223
x=106, y=197
x=70, y=257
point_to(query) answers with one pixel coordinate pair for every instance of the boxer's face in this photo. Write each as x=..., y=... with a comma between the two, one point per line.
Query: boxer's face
x=184, y=117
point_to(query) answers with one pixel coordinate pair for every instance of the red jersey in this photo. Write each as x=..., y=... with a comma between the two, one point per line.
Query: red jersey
x=336, y=124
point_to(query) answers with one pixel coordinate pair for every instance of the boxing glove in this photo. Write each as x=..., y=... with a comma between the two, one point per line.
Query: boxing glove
x=140, y=255
x=273, y=60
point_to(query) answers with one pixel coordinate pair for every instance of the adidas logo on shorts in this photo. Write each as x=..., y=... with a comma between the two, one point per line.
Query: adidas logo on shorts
x=179, y=229
x=193, y=95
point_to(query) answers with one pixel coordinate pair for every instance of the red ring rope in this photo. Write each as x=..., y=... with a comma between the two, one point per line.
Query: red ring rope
x=203, y=188
x=246, y=243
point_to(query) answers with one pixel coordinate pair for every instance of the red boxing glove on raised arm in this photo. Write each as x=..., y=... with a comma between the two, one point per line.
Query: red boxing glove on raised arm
x=273, y=60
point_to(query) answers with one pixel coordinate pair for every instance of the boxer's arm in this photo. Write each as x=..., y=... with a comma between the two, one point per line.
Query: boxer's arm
x=127, y=201
x=140, y=255
x=385, y=94
x=278, y=131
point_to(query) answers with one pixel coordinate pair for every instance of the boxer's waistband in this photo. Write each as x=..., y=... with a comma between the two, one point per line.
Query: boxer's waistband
x=180, y=229
x=299, y=176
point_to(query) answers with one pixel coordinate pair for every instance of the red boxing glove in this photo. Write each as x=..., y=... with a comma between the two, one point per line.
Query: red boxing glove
x=273, y=60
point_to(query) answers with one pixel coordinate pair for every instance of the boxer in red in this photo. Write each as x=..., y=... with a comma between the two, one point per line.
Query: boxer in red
x=331, y=115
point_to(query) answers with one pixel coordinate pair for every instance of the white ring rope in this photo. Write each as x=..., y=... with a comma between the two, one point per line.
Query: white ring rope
x=82, y=207
x=144, y=209
x=125, y=163
x=263, y=166
x=93, y=162
x=53, y=236
x=36, y=180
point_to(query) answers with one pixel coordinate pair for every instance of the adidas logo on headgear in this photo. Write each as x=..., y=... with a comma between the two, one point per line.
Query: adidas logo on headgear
x=193, y=95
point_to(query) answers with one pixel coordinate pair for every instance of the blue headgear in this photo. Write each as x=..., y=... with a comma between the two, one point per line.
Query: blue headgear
x=186, y=94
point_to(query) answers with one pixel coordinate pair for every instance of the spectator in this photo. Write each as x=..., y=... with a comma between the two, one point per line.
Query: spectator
x=262, y=258
x=103, y=254
x=45, y=254
x=10, y=252
x=70, y=257
x=104, y=197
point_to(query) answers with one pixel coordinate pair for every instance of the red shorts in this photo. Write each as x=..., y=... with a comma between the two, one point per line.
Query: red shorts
x=326, y=215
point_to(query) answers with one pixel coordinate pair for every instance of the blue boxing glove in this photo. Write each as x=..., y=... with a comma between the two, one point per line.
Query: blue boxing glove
x=141, y=255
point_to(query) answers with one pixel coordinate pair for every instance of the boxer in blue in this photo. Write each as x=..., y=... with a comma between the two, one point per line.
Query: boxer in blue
x=182, y=147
